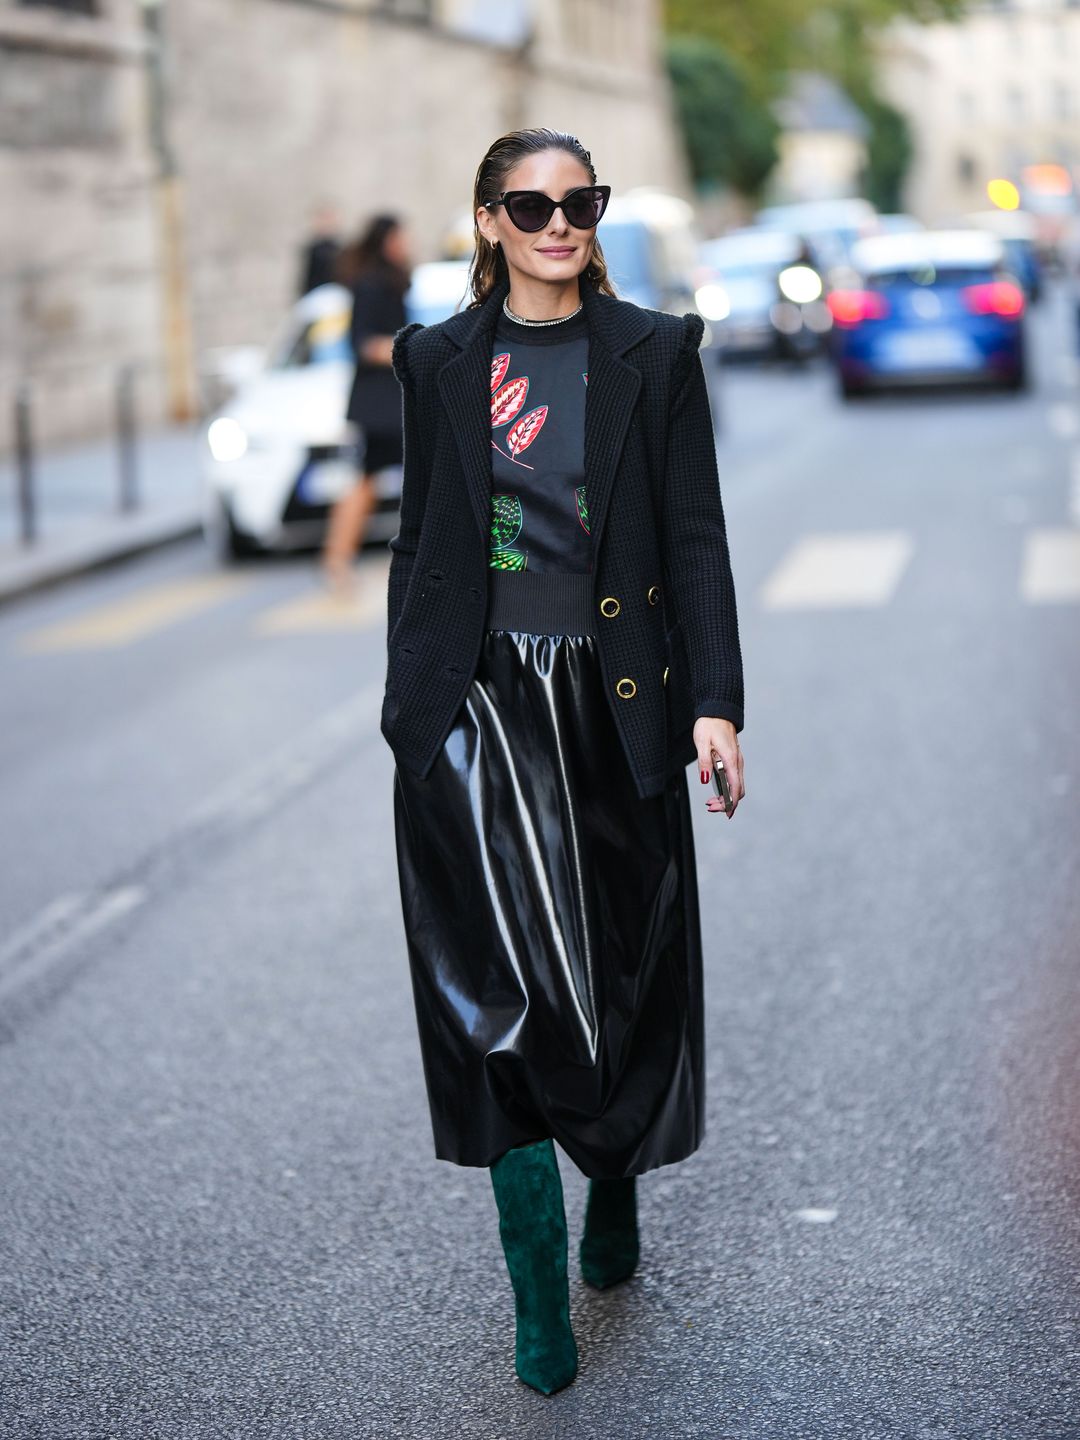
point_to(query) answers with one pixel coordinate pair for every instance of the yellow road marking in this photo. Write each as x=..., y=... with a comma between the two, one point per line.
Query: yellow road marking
x=363, y=609
x=122, y=621
x=1050, y=570
x=839, y=570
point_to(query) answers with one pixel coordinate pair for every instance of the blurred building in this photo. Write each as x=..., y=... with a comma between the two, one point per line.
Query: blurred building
x=160, y=159
x=822, y=143
x=985, y=97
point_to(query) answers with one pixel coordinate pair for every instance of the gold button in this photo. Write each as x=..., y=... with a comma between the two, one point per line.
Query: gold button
x=609, y=606
x=654, y=594
x=666, y=669
x=626, y=687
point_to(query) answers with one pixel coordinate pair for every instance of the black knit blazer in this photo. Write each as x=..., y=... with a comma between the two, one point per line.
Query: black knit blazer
x=656, y=518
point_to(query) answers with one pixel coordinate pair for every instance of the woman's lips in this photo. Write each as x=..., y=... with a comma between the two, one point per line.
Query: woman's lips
x=557, y=251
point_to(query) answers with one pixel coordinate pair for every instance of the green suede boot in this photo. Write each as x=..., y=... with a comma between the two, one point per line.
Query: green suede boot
x=609, y=1246
x=532, y=1226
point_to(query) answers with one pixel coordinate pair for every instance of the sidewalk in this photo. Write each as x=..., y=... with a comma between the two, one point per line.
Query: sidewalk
x=78, y=523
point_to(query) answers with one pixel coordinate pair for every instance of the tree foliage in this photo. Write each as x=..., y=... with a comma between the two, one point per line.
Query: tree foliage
x=730, y=133
x=729, y=59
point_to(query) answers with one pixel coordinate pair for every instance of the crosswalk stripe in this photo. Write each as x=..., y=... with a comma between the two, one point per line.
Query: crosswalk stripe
x=1050, y=570
x=122, y=621
x=320, y=610
x=838, y=570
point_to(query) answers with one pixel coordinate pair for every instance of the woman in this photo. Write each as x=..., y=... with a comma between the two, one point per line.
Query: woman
x=377, y=270
x=562, y=641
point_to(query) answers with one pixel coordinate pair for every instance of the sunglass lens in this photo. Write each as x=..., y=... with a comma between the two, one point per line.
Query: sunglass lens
x=530, y=212
x=584, y=209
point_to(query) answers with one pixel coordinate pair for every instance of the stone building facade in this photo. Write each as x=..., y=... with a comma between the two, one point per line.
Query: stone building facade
x=985, y=97
x=160, y=162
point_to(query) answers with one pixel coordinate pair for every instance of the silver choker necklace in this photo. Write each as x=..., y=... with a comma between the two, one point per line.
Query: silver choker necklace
x=520, y=319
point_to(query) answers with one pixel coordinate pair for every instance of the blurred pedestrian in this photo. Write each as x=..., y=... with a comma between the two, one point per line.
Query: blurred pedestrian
x=377, y=269
x=320, y=256
x=562, y=641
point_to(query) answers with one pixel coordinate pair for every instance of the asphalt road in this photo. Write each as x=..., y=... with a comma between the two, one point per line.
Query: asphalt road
x=220, y=1214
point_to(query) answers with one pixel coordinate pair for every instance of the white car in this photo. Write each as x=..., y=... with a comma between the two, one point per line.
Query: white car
x=280, y=450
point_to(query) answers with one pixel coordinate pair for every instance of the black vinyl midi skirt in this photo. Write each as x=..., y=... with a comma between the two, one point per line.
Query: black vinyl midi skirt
x=551, y=918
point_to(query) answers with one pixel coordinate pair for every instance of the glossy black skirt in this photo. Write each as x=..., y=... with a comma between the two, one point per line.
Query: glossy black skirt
x=552, y=924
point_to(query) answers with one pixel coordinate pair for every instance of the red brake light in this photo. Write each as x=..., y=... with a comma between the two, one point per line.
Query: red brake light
x=996, y=297
x=852, y=307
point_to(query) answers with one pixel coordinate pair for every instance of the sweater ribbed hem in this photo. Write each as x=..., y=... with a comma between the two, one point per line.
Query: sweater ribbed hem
x=541, y=603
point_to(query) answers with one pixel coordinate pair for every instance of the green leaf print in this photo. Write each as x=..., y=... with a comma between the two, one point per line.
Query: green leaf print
x=506, y=518
x=582, y=508
x=508, y=559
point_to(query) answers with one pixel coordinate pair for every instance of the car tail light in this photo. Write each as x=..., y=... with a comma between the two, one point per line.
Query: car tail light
x=852, y=307
x=996, y=297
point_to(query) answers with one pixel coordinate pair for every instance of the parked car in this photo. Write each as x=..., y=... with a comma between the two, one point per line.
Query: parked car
x=830, y=228
x=279, y=451
x=762, y=291
x=931, y=307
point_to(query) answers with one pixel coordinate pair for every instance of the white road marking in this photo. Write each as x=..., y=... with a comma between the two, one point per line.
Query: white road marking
x=73, y=917
x=40, y=949
x=839, y=570
x=1050, y=570
x=1073, y=503
x=1064, y=420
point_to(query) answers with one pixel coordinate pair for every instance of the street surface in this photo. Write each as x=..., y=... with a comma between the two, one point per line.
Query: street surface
x=220, y=1213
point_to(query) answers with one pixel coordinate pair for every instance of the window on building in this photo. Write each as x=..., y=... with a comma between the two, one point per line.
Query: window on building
x=73, y=7
x=965, y=169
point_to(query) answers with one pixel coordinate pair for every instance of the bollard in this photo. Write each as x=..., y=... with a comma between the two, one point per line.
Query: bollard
x=24, y=465
x=125, y=438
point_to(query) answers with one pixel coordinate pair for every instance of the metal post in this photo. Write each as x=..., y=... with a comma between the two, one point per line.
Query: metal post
x=24, y=465
x=125, y=437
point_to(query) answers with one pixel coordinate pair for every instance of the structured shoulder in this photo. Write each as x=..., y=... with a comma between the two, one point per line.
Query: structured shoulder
x=688, y=330
x=416, y=348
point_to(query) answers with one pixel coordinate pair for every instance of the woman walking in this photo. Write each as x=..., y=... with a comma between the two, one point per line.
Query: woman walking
x=377, y=271
x=562, y=640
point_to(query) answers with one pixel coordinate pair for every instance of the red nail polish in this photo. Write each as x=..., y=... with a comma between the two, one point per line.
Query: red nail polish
x=704, y=777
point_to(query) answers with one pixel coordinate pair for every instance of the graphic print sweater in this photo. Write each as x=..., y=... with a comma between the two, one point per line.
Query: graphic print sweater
x=539, y=508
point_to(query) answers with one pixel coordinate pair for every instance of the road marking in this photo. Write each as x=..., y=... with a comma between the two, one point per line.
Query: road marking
x=839, y=570
x=122, y=621
x=1050, y=571
x=1064, y=421
x=61, y=925
x=365, y=608
x=260, y=789
x=1074, y=487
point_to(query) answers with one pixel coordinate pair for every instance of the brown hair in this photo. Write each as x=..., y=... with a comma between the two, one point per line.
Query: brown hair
x=488, y=262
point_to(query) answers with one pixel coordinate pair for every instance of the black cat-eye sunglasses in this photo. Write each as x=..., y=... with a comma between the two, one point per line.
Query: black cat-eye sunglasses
x=531, y=210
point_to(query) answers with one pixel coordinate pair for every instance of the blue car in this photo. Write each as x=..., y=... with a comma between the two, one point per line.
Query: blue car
x=928, y=308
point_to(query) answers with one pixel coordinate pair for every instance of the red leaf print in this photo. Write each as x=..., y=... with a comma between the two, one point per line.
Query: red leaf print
x=508, y=401
x=499, y=366
x=526, y=430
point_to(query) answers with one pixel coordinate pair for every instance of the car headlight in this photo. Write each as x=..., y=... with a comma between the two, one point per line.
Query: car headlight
x=799, y=284
x=227, y=439
x=712, y=300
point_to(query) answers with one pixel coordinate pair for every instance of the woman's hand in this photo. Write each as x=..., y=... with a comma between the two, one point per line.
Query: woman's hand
x=714, y=736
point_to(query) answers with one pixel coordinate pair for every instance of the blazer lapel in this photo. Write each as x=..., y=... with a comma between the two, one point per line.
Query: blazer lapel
x=465, y=388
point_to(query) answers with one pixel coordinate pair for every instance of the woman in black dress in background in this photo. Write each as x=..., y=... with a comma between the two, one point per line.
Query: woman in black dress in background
x=559, y=464
x=377, y=270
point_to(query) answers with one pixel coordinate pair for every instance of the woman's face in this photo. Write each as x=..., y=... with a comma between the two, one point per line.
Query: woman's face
x=558, y=252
